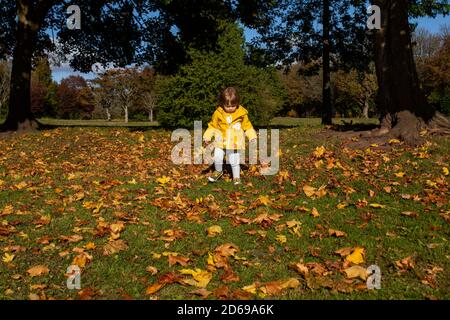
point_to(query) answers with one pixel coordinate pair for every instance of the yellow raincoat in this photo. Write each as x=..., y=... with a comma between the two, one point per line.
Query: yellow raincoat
x=228, y=129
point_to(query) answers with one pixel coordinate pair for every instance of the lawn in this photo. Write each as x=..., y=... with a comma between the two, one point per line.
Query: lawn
x=110, y=201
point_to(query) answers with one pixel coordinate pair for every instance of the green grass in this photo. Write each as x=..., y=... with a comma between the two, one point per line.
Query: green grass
x=115, y=167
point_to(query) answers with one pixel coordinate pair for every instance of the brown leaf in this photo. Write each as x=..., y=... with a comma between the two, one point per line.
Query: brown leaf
x=229, y=276
x=336, y=233
x=176, y=259
x=344, y=251
x=114, y=247
x=227, y=249
x=222, y=292
x=73, y=238
x=202, y=292
x=38, y=270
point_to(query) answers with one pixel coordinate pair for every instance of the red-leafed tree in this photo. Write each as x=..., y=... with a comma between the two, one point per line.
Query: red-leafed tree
x=74, y=98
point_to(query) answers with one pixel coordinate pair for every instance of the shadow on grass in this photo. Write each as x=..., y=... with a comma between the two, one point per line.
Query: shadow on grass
x=350, y=126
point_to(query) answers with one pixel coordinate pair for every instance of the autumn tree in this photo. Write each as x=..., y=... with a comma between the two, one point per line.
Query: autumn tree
x=356, y=87
x=123, y=85
x=74, y=98
x=147, y=95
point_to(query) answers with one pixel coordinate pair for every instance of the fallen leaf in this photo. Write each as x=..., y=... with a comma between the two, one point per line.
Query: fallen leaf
x=214, y=231
x=201, y=278
x=315, y=213
x=8, y=257
x=114, y=247
x=357, y=256
x=38, y=270
x=154, y=288
x=356, y=272
x=152, y=270
x=377, y=205
x=336, y=233
x=180, y=260
x=281, y=239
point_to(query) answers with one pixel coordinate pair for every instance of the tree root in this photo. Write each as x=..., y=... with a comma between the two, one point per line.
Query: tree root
x=406, y=126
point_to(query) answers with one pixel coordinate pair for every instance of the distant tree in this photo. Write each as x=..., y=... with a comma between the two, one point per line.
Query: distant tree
x=74, y=98
x=304, y=92
x=425, y=44
x=147, y=96
x=122, y=84
x=42, y=84
x=434, y=74
x=357, y=87
x=38, y=94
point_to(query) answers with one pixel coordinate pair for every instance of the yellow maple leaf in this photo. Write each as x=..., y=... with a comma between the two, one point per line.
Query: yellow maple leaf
x=201, y=277
x=377, y=205
x=163, y=180
x=141, y=138
x=214, y=231
x=319, y=151
x=431, y=184
x=393, y=141
x=281, y=239
x=250, y=288
x=264, y=200
x=315, y=213
x=444, y=171
x=309, y=191
x=8, y=257
x=342, y=205
x=357, y=256
x=90, y=246
x=399, y=174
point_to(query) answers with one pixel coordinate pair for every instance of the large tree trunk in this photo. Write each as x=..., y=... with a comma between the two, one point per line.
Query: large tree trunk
x=403, y=107
x=125, y=109
x=30, y=16
x=327, y=112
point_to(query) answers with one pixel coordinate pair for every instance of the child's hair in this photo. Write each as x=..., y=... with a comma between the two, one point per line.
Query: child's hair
x=229, y=97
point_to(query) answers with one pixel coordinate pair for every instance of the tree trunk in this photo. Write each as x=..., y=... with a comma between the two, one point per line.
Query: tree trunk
x=126, y=113
x=150, y=115
x=327, y=112
x=20, y=116
x=403, y=107
x=365, y=111
x=108, y=115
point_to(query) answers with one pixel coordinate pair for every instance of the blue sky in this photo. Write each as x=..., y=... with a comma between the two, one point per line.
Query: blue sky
x=431, y=24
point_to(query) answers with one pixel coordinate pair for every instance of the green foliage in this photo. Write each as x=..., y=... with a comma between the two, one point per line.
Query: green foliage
x=192, y=93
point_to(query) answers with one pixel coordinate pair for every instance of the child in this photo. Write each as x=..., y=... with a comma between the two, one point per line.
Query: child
x=228, y=125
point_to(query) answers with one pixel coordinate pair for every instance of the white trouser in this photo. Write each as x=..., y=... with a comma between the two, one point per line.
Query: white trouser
x=233, y=160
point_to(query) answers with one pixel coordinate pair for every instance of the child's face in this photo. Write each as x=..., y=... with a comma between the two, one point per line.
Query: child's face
x=230, y=109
